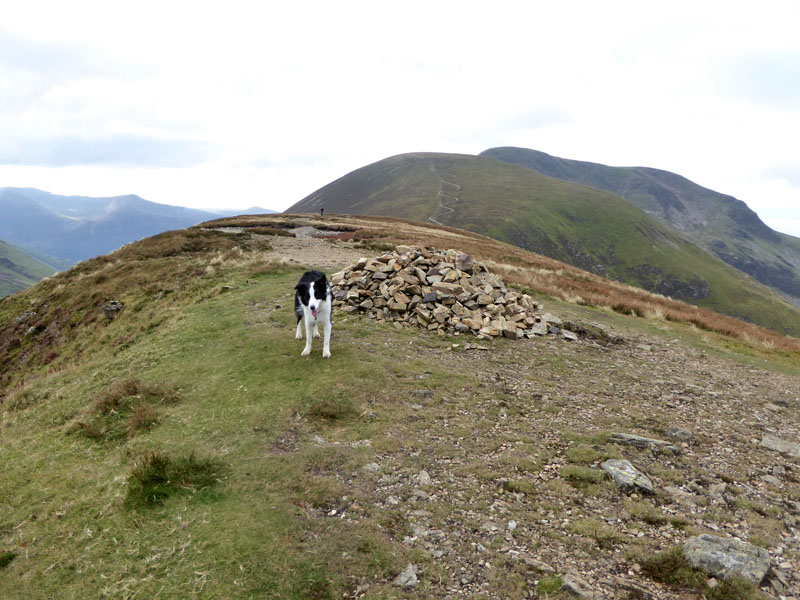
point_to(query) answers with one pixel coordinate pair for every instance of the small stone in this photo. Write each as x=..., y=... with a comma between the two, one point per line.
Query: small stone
x=372, y=467
x=569, y=335
x=408, y=578
x=113, y=308
x=424, y=478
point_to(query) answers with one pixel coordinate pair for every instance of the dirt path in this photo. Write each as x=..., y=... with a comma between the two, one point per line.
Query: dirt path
x=325, y=255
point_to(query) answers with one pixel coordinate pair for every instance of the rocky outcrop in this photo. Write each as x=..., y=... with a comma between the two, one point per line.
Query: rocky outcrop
x=726, y=557
x=443, y=291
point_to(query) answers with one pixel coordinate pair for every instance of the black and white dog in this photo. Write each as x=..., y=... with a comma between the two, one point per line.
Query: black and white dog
x=313, y=302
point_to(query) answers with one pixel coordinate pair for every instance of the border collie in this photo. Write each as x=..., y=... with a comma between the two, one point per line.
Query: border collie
x=313, y=302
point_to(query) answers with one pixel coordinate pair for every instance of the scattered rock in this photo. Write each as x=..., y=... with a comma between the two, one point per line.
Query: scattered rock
x=725, y=557
x=408, y=578
x=628, y=478
x=784, y=447
x=372, y=468
x=643, y=442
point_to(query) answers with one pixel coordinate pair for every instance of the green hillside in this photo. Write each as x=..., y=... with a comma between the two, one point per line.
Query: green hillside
x=594, y=230
x=19, y=269
x=718, y=223
x=184, y=449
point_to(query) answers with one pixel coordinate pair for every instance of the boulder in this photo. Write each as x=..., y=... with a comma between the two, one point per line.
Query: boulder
x=726, y=557
x=628, y=478
x=779, y=445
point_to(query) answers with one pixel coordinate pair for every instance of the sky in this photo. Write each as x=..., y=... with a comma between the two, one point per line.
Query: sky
x=235, y=104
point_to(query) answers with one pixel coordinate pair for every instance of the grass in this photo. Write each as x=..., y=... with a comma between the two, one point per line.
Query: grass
x=123, y=409
x=156, y=476
x=185, y=497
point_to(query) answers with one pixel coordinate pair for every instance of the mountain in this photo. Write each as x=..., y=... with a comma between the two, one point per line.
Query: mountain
x=593, y=229
x=79, y=227
x=718, y=223
x=19, y=269
x=185, y=449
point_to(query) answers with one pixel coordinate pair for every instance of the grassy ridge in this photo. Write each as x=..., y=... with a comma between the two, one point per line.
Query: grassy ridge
x=253, y=457
x=19, y=270
x=238, y=395
x=594, y=230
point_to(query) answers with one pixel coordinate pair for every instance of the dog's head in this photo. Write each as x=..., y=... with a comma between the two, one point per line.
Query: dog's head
x=313, y=292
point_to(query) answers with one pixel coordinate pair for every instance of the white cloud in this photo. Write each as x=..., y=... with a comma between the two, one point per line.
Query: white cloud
x=270, y=101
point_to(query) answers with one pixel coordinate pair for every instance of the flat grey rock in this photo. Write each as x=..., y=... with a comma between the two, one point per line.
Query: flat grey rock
x=784, y=447
x=725, y=557
x=628, y=478
x=643, y=442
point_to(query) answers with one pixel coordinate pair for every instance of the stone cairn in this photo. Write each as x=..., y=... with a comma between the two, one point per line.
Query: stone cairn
x=443, y=291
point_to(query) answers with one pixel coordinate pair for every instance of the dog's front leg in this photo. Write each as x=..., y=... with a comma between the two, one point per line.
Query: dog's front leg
x=307, y=350
x=298, y=335
x=326, y=341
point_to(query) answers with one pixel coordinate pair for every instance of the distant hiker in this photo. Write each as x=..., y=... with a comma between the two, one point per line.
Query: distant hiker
x=321, y=211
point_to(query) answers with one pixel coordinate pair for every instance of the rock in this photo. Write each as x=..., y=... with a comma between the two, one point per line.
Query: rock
x=424, y=478
x=112, y=309
x=643, y=442
x=578, y=587
x=372, y=467
x=678, y=435
x=465, y=263
x=725, y=557
x=408, y=578
x=779, y=445
x=628, y=478
x=569, y=335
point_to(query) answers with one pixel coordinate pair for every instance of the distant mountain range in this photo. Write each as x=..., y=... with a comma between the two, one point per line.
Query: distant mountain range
x=62, y=230
x=649, y=228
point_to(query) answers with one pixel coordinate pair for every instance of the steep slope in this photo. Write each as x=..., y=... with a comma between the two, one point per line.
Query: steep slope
x=184, y=448
x=721, y=224
x=76, y=227
x=19, y=269
x=594, y=230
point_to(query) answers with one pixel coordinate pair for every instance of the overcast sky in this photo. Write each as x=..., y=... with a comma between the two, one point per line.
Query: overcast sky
x=233, y=104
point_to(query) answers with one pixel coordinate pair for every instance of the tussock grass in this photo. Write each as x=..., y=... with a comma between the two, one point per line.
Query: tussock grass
x=6, y=556
x=156, y=476
x=123, y=409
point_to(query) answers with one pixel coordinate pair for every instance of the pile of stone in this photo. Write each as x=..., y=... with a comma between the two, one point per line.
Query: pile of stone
x=442, y=291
